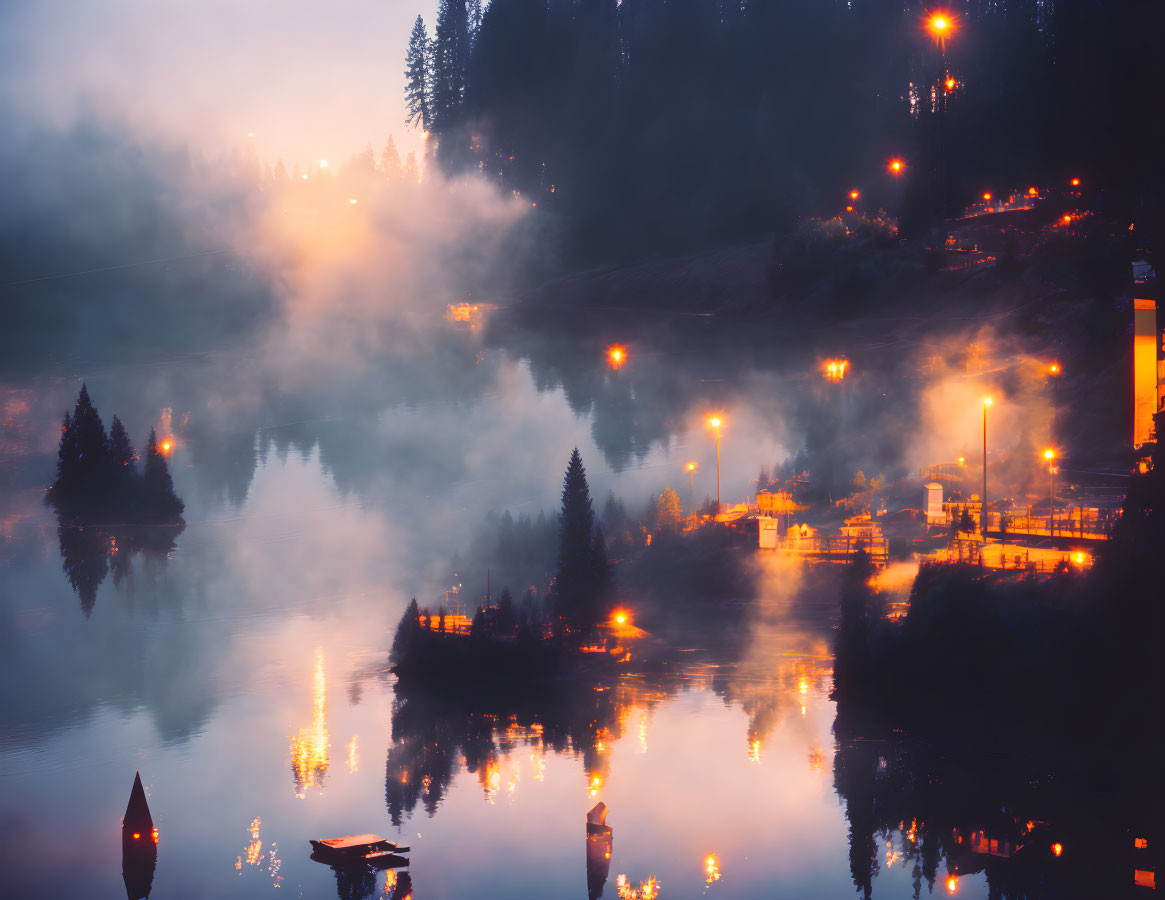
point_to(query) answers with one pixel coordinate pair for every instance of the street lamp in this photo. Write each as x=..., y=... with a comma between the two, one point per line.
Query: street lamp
x=940, y=25
x=691, y=467
x=715, y=423
x=853, y=195
x=616, y=356
x=983, y=517
x=1050, y=456
x=895, y=166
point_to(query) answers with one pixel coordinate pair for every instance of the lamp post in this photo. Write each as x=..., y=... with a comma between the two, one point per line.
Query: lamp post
x=1050, y=456
x=715, y=423
x=983, y=516
x=692, y=488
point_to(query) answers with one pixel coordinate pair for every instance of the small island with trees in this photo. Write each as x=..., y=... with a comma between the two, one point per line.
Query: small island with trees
x=674, y=584
x=108, y=510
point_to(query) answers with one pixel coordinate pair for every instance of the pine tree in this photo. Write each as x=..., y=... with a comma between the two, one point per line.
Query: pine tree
x=669, y=512
x=121, y=455
x=450, y=55
x=407, y=631
x=390, y=160
x=66, y=452
x=601, y=575
x=574, y=578
x=418, y=73
x=158, y=495
x=91, y=441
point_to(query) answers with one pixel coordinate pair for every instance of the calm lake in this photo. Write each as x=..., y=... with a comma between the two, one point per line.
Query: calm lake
x=244, y=672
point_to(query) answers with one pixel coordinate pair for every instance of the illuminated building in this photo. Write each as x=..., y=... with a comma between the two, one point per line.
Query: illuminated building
x=1145, y=376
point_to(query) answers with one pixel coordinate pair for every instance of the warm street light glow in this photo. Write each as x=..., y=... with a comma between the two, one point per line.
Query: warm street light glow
x=166, y=445
x=1057, y=849
x=616, y=356
x=951, y=83
x=987, y=196
x=1054, y=368
x=1067, y=219
x=986, y=401
x=952, y=884
x=939, y=23
x=1032, y=192
x=1049, y=454
x=895, y=166
x=849, y=209
x=619, y=617
x=835, y=369
x=714, y=421
x=962, y=459
x=853, y=195
x=352, y=200
x=1075, y=182
x=691, y=467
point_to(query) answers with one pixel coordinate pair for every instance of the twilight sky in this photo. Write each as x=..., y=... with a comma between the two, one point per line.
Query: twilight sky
x=310, y=80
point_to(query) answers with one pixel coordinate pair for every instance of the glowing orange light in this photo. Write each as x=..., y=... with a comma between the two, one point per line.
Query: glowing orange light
x=620, y=618
x=1075, y=182
x=1032, y=191
x=849, y=209
x=853, y=195
x=987, y=196
x=939, y=23
x=352, y=201
x=714, y=421
x=835, y=369
x=895, y=166
x=986, y=401
x=691, y=467
x=951, y=83
x=1057, y=849
x=1067, y=219
x=166, y=446
x=136, y=835
x=155, y=835
x=1049, y=454
x=952, y=883
x=1079, y=557
x=616, y=356
x=1054, y=368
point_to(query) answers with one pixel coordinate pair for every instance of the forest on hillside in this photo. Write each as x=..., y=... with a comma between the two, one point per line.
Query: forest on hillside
x=665, y=124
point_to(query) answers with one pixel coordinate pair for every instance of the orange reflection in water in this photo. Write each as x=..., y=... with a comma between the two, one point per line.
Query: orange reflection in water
x=647, y=890
x=309, y=748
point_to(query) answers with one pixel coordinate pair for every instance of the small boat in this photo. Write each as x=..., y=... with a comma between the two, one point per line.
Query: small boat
x=354, y=848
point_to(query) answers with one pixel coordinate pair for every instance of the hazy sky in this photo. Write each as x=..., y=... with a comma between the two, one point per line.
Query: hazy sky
x=310, y=80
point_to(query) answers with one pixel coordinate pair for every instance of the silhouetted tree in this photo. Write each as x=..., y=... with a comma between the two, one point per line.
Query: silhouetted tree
x=158, y=498
x=574, y=580
x=418, y=75
x=602, y=576
x=450, y=55
x=407, y=631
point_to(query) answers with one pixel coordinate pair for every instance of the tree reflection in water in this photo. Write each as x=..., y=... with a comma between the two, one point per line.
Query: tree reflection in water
x=89, y=552
x=1035, y=827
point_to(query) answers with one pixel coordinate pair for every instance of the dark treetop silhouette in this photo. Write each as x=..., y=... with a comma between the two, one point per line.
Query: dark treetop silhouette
x=106, y=511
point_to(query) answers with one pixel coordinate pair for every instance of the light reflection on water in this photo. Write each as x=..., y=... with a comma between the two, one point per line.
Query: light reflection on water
x=238, y=674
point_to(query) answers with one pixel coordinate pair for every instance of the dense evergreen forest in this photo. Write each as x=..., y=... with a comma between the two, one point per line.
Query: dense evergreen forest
x=665, y=124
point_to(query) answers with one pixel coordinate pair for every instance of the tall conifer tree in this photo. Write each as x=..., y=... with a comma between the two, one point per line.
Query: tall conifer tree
x=418, y=77
x=575, y=577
